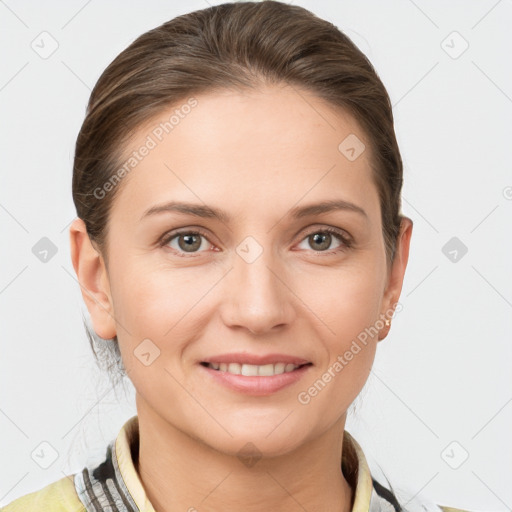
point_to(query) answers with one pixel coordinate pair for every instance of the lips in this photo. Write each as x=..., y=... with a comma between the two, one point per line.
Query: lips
x=255, y=374
x=266, y=381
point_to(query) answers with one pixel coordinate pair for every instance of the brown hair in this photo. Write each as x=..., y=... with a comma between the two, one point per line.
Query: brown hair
x=232, y=45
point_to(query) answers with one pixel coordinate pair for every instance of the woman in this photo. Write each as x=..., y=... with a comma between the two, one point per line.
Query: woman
x=239, y=237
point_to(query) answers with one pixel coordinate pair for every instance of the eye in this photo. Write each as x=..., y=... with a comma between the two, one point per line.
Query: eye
x=184, y=242
x=321, y=239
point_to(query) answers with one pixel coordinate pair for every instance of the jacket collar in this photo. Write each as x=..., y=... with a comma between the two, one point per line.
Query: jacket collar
x=116, y=483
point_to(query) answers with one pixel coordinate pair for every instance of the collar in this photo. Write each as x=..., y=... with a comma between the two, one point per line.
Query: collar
x=115, y=484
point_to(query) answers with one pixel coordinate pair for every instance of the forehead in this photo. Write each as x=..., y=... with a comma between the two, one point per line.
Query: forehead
x=254, y=149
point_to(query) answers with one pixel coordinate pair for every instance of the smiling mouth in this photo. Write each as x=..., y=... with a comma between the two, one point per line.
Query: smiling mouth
x=253, y=370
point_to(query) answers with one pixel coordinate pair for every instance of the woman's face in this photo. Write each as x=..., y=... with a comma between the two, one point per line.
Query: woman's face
x=262, y=282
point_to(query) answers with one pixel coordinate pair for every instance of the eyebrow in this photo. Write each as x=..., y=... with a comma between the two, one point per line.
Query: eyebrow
x=216, y=213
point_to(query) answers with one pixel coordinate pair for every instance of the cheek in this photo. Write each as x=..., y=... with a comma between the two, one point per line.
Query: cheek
x=147, y=297
x=168, y=306
x=345, y=302
x=347, y=308
x=151, y=312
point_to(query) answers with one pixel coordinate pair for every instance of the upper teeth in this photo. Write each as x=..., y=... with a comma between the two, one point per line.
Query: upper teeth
x=265, y=370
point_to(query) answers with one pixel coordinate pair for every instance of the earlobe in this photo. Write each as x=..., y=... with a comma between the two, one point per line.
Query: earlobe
x=93, y=278
x=397, y=274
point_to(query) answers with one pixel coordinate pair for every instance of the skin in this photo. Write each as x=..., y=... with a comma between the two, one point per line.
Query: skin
x=257, y=155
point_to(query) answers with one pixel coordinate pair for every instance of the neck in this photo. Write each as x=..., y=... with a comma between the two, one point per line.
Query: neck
x=179, y=472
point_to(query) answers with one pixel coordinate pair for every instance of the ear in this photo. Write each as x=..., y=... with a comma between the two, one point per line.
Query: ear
x=396, y=274
x=92, y=276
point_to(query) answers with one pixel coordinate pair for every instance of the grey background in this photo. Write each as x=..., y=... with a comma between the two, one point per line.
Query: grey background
x=440, y=389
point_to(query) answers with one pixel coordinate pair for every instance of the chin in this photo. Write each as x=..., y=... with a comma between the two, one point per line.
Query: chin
x=252, y=448
x=257, y=439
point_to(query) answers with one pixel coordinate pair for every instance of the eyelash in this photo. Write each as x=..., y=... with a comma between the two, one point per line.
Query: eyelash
x=347, y=242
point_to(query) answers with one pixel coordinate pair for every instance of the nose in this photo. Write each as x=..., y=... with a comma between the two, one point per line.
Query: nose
x=256, y=296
